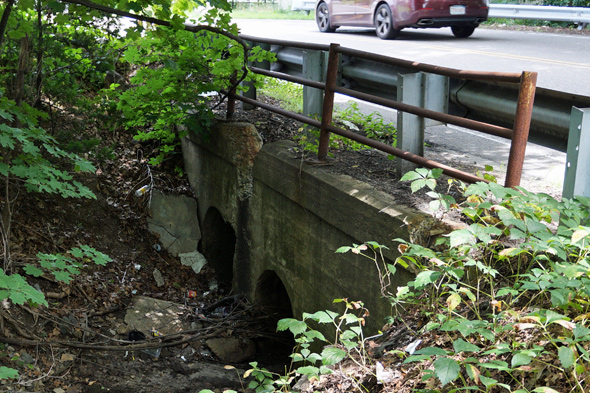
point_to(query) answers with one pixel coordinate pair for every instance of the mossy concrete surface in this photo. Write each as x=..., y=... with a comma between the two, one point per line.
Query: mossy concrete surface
x=290, y=217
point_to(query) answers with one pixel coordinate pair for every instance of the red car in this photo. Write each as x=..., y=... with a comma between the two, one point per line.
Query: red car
x=390, y=16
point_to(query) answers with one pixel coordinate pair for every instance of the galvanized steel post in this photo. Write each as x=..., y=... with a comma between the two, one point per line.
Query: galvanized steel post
x=522, y=122
x=577, y=166
x=328, y=106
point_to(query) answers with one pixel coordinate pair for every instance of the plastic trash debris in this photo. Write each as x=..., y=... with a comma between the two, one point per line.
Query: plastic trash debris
x=383, y=375
x=157, y=247
x=411, y=348
x=143, y=190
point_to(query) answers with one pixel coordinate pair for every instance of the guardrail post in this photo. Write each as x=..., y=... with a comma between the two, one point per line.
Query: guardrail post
x=577, y=167
x=410, y=128
x=328, y=106
x=251, y=92
x=436, y=96
x=522, y=122
x=313, y=66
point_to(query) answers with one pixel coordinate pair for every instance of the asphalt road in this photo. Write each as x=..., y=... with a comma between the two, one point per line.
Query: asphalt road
x=562, y=61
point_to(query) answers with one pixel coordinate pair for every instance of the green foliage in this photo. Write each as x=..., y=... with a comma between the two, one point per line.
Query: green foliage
x=177, y=69
x=64, y=266
x=23, y=152
x=348, y=338
x=520, y=265
x=15, y=288
x=289, y=94
x=372, y=125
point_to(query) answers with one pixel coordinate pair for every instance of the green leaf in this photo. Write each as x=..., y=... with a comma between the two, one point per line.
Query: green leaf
x=520, y=359
x=6, y=372
x=461, y=345
x=431, y=351
x=461, y=236
x=566, y=357
x=426, y=277
x=295, y=326
x=446, y=369
x=488, y=382
x=321, y=316
x=409, y=176
x=332, y=355
x=310, y=371
x=33, y=271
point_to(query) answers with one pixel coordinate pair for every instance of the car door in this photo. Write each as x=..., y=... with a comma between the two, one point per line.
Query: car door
x=343, y=11
x=364, y=12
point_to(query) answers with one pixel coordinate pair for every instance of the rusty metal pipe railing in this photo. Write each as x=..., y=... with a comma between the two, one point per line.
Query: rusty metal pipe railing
x=289, y=78
x=328, y=105
x=418, y=111
x=518, y=135
x=447, y=170
x=522, y=122
x=280, y=111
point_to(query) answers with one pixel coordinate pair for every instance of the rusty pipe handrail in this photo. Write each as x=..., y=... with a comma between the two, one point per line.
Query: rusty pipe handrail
x=439, y=116
x=289, y=78
x=518, y=135
x=447, y=170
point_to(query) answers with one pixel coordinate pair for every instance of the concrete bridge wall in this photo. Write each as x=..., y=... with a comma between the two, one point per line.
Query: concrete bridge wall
x=287, y=219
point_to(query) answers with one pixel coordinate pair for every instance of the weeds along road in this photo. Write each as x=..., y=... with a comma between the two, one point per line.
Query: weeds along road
x=562, y=60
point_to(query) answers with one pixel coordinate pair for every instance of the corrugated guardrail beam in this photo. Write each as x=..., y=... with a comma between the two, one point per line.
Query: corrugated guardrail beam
x=540, y=12
x=477, y=100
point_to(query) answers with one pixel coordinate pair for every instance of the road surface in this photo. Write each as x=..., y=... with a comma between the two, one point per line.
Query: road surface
x=562, y=61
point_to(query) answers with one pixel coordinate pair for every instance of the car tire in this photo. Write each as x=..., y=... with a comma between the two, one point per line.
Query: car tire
x=384, y=23
x=322, y=18
x=462, y=31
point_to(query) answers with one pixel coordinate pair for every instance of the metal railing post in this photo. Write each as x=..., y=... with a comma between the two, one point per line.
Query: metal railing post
x=522, y=122
x=410, y=128
x=577, y=166
x=328, y=106
x=313, y=65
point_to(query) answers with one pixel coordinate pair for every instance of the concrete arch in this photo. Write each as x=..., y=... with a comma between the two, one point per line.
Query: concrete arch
x=218, y=245
x=272, y=295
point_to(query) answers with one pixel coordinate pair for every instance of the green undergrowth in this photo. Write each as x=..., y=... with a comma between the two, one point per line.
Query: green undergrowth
x=501, y=304
x=371, y=125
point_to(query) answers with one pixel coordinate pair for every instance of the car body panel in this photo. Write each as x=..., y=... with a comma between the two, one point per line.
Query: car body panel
x=408, y=13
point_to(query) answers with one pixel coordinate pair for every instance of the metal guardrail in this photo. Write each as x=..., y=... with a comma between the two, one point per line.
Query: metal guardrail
x=579, y=15
x=478, y=100
x=335, y=71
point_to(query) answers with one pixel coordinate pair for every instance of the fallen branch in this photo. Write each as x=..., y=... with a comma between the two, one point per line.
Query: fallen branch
x=131, y=345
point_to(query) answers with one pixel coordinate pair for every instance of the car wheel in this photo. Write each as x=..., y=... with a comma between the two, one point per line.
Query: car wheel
x=322, y=18
x=462, y=31
x=384, y=23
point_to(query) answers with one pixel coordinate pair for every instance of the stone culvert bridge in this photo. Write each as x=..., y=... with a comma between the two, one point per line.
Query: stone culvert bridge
x=270, y=224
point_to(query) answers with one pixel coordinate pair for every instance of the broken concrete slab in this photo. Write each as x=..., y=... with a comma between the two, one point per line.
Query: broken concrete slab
x=195, y=260
x=145, y=313
x=174, y=219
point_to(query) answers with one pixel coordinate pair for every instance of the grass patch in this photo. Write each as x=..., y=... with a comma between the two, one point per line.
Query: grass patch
x=289, y=94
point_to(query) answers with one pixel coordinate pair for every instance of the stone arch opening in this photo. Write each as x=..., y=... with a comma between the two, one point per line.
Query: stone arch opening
x=218, y=245
x=272, y=295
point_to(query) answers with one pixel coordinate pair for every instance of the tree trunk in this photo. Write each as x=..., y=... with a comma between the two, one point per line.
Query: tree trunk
x=4, y=20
